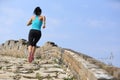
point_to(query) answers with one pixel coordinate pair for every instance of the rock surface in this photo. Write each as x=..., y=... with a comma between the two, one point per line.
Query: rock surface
x=12, y=68
x=51, y=63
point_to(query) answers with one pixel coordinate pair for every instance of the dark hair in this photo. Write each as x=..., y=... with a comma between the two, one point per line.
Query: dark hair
x=37, y=11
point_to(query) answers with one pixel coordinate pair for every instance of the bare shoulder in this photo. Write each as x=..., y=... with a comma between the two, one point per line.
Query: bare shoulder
x=33, y=17
x=41, y=17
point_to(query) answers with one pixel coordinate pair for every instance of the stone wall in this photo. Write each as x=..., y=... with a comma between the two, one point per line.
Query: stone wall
x=82, y=66
x=16, y=48
x=84, y=69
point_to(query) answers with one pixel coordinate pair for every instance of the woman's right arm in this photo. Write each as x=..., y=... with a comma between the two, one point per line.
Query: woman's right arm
x=30, y=21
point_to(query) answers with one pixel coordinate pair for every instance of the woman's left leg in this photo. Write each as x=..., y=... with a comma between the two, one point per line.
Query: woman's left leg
x=30, y=41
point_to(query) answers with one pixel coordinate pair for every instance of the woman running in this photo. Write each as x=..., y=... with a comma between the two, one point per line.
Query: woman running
x=36, y=21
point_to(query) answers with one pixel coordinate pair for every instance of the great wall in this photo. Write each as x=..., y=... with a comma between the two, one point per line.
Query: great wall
x=51, y=63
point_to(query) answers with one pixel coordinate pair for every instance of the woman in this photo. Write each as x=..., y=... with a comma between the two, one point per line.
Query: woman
x=36, y=21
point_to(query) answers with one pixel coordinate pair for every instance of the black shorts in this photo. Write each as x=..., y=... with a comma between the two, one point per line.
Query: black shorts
x=34, y=36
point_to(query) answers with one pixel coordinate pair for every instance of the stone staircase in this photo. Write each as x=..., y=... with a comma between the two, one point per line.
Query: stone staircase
x=51, y=63
x=12, y=68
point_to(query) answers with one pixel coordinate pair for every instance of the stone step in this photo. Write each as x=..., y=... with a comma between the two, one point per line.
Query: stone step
x=19, y=69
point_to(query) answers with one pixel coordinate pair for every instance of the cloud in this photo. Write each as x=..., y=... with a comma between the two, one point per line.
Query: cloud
x=114, y=5
x=54, y=21
x=9, y=18
x=10, y=15
x=96, y=23
x=84, y=5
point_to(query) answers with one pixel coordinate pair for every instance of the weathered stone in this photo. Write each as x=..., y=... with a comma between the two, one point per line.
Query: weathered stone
x=52, y=63
x=20, y=69
x=17, y=77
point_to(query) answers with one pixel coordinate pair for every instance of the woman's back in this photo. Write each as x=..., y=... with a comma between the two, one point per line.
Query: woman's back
x=36, y=23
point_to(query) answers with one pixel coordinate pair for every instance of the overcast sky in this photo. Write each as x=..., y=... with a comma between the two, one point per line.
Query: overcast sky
x=91, y=27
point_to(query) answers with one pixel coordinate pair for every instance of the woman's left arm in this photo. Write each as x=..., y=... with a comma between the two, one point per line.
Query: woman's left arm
x=44, y=22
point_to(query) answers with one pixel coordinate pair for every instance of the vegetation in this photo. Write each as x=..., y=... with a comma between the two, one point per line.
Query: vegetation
x=38, y=76
x=72, y=78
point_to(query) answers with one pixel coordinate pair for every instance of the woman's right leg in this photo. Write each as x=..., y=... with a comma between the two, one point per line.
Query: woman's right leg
x=29, y=48
x=30, y=41
x=30, y=53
